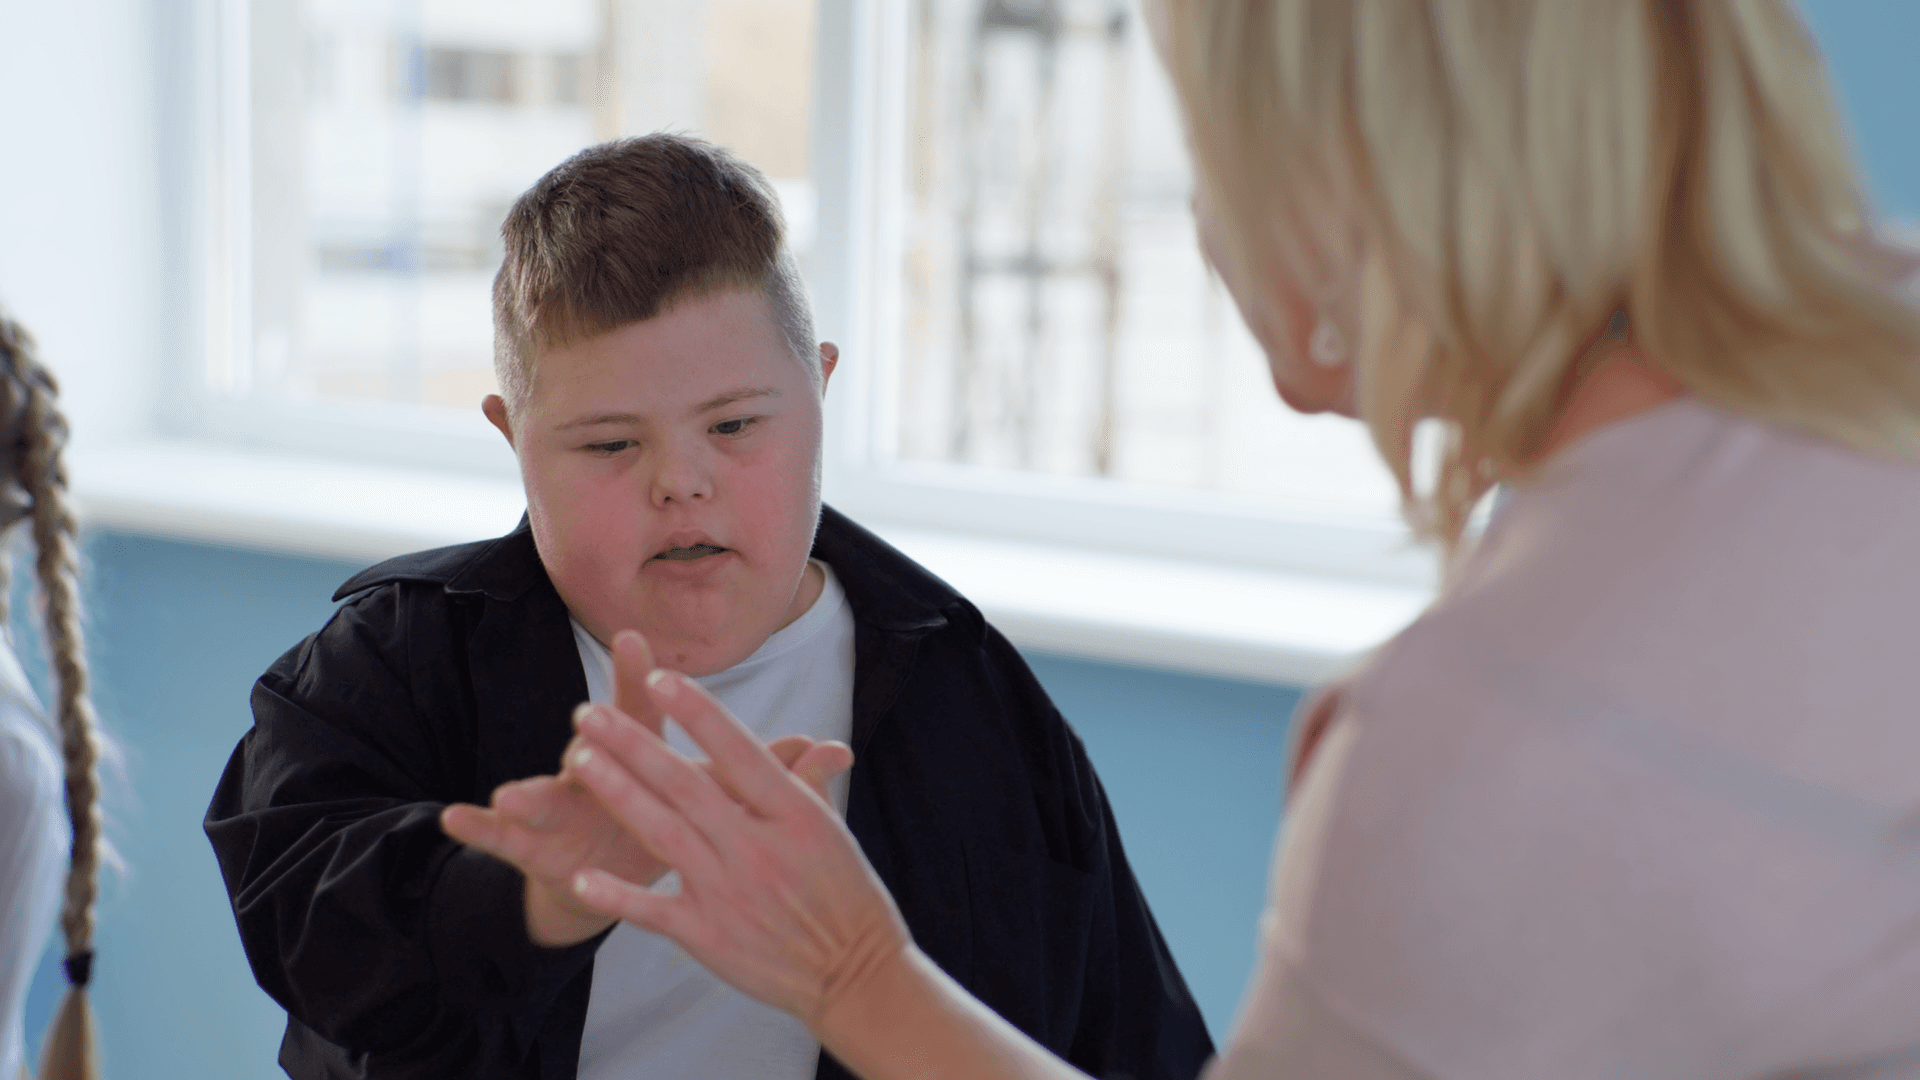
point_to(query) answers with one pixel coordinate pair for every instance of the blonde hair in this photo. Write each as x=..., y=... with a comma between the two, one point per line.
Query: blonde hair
x=32, y=418
x=1501, y=177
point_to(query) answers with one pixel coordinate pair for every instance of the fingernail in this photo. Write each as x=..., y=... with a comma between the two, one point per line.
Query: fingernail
x=582, y=756
x=591, y=716
x=662, y=682
x=580, y=712
x=580, y=884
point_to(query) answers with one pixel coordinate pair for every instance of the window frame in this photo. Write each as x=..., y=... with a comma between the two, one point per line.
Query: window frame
x=862, y=54
x=857, y=156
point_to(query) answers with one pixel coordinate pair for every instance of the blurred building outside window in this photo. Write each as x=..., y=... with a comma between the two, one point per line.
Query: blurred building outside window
x=1039, y=305
x=1058, y=315
x=388, y=138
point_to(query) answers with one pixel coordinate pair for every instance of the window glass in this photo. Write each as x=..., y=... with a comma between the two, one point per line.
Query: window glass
x=1053, y=314
x=1057, y=314
x=388, y=137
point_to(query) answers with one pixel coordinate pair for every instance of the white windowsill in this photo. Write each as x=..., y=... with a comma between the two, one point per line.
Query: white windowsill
x=1183, y=616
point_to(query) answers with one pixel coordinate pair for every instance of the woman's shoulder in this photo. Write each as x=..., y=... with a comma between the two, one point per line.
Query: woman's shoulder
x=1688, y=536
x=1544, y=849
x=1691, y=587
x=1689, y=469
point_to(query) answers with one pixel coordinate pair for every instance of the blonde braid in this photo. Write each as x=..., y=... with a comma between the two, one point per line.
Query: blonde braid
x=71, y=1050
x=6, y=590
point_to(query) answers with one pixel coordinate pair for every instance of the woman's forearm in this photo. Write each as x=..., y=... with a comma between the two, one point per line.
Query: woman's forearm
x=908, y=1021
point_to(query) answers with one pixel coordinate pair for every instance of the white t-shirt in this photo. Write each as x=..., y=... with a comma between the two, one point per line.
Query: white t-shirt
x=34, y=837
x=653, y=1010
x=1640, y=797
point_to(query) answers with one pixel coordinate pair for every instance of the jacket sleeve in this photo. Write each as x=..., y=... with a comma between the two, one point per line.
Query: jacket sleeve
x=357, y=913
x=1136, y=1018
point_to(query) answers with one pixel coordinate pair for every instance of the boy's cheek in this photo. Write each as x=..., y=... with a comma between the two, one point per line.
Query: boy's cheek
x=586, y=524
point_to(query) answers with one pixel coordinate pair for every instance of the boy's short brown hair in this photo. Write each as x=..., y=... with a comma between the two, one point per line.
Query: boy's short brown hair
x=623, y=231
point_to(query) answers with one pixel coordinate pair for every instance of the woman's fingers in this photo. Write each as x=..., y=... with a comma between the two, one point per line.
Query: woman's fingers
x=649, y=910
x=680, y=783
x=644, y=785
x=745, y=765
x=632, y=659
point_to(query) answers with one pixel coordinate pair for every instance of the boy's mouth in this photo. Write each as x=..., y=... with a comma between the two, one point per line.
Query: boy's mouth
x=689, y=554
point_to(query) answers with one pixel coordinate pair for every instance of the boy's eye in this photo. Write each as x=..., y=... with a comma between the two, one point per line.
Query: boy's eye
x=734, y=427
x=613, y=447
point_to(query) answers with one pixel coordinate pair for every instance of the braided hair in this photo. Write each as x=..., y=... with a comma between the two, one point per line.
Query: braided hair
x=33, y=483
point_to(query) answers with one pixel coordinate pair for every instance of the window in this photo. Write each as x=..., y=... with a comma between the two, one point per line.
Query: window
x=1051, y=359
x=1057, y=314
x=378, y=144
x=990, y=196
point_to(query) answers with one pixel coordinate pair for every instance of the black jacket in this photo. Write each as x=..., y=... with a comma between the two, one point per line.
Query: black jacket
x=398, y=953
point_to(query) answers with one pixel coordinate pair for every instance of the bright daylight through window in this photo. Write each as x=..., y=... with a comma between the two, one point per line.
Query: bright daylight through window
x=376, y=210
x=1037, y=299
x=1057, y=313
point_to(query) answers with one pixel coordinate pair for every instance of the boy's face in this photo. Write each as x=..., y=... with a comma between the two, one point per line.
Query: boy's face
x=672, y=473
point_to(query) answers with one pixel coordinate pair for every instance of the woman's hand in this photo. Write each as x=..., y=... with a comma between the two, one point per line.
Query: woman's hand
x=550, y=827
x=775, y=896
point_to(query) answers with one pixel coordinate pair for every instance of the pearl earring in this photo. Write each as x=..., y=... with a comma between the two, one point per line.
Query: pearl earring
x=1326, y=347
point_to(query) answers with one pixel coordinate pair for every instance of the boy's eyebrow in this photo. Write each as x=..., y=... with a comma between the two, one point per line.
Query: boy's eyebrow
x=598, y=418
x=718, y=401
x=721, y=401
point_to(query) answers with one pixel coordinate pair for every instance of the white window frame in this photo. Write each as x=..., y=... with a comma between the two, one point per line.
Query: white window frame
x=858, y=166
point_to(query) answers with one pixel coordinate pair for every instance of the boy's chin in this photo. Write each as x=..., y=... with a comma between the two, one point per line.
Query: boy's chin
x=703, y=654
x=699, y=660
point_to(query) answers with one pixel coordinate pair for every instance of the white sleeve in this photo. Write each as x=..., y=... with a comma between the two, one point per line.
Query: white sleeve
x=33, y=859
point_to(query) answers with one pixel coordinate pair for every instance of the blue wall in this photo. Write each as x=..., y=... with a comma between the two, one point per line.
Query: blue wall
x=1870, y=46
x=180, y=631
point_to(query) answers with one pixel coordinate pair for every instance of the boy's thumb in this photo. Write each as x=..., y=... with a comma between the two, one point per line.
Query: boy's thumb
x=821, y=763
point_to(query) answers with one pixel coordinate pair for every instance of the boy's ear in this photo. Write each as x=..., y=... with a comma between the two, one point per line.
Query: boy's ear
x=829, y=357
x=495, y=409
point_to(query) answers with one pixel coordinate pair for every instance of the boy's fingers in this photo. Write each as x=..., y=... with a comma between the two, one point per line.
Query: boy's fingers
x=632, y=659
x=471, y=825
x=788, y=749
x=745, y=765
x=488, y=831
x=539, y=802
x=820, y=764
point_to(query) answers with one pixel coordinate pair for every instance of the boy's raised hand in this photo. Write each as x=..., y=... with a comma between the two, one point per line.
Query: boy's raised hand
x=551, y=828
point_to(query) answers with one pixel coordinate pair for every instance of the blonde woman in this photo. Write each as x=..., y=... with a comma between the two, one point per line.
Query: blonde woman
x=1640, y=795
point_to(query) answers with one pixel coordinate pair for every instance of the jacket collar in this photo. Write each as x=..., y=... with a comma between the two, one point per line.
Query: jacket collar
x=884, y=588
x=502, y=569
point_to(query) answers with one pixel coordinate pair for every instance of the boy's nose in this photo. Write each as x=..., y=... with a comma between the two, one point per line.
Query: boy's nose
x=680, y=477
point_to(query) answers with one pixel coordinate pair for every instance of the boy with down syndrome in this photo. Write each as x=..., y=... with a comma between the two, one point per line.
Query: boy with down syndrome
x=661, y=388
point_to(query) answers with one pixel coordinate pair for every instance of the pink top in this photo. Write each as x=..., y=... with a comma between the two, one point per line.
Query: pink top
x=1640, y=797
